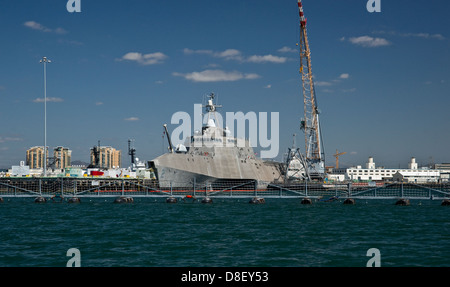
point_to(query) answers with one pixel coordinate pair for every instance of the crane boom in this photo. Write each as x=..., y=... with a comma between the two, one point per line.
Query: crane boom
x=336, y=155
x=310, y=124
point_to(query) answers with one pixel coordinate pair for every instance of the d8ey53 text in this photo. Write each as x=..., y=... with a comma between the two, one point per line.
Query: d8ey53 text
x=247, y=276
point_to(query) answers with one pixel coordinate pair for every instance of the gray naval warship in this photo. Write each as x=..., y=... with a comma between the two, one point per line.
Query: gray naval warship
x=213, y=158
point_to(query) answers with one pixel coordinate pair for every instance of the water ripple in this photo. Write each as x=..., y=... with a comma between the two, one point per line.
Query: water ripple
x=225, y=233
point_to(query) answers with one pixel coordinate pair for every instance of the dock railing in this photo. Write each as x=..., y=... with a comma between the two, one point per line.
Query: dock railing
x=113, y=187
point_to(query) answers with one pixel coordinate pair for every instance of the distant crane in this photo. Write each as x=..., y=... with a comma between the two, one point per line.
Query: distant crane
x=336, y=155
x=314, y=154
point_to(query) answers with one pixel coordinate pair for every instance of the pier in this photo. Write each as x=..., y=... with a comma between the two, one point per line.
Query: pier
x=63, y=187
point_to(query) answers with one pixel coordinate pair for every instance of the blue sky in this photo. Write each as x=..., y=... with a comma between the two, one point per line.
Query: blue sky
x=120, y=69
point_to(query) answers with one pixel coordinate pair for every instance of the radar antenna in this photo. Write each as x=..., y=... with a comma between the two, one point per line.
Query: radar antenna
x=211, y=108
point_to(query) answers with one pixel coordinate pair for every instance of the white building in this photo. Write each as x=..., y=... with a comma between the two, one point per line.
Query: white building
x=20, y=170
x=412, y=174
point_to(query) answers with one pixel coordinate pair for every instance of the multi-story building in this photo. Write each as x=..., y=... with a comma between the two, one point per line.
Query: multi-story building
x=444, y=169
x=62, y=156
x=35, y=157
x=106, y=157
x=411, y=174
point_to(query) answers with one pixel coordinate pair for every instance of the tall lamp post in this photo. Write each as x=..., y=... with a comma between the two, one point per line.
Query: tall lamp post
x=45, y=61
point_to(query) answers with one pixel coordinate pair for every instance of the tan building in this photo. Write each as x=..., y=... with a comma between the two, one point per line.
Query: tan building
x=62, y=157
x=108, y=157
x=35, y=157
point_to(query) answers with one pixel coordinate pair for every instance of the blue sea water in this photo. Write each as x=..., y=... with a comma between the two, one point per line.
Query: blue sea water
x=226, y=233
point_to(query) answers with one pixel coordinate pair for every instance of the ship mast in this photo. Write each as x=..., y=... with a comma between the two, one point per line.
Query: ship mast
x=211, y=108
x=314, y=154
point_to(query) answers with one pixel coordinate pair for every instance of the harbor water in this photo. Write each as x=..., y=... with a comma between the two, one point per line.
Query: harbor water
x=226, y=233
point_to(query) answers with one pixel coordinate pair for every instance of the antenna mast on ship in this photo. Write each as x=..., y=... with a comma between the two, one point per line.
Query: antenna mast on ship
x=211, y=108
x=314, y=154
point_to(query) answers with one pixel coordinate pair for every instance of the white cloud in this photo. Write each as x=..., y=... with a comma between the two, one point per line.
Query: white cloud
x=424, y=36
x=287, y=49
x=37, y=26
x=234, y=54
x=367, y=41
x=190, y=52
x=266, y=59
x=229, y=54
x=99, y=103
x=132, y=56
x=131, y=119
x=9, y=139
x=268, y=86
x=417, y=35
x=343, y=76
x=144, y=59
x=251, y=76
x=60, y=31
x=49, y=99
x=216, y=76
x=322, y=84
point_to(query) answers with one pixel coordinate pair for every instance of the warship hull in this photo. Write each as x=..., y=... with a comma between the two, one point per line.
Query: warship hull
x=219, y=165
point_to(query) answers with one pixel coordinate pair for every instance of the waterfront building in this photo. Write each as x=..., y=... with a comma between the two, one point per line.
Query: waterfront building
x=35, y=157
x=19, y=170
x=62, y=157
x=442, y=166
x=108, y=157
x=444, y=169
x=412, y=174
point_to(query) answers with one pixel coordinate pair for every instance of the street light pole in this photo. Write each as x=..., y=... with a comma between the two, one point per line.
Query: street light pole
x=45, y=61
